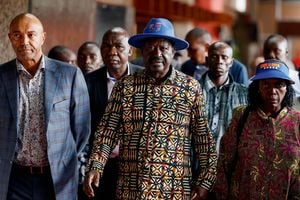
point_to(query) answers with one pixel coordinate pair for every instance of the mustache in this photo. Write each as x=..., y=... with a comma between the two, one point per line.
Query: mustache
x=24, y=47
x=155, y=59
x=89, y=65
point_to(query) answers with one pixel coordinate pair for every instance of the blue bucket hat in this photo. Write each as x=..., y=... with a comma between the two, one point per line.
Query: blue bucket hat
x=158, y=28
x=272, y=69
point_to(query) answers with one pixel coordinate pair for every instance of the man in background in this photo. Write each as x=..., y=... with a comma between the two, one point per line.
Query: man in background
x=276, y=47
x=63, y=53
x=221, y=93
x=199, y=40
x=115, y=52
x=88, y=57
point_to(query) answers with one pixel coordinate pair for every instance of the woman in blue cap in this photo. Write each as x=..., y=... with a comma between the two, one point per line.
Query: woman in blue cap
x=260, y=151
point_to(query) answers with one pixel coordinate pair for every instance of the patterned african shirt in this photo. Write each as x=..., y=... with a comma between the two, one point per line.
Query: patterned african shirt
x=268, y=166
x=155, y=124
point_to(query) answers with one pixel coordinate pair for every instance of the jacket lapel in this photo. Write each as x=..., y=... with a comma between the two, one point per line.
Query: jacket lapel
x=10, y=81
x=52, y=77
x=103, y=87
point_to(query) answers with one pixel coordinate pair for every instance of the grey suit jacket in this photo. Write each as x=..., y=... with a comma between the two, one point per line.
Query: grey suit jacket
x=67, y=119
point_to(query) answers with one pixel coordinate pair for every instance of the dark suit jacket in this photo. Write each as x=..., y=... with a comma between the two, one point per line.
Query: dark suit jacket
x=188, y=67
x=67, y=119
x=97, y=86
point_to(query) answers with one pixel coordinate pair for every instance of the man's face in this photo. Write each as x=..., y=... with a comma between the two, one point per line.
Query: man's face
x=115, y=50
x=27, y=37
x=275, y=49
x=89, y=58
x=158, y=55
x=219, y=61
x=197, y=50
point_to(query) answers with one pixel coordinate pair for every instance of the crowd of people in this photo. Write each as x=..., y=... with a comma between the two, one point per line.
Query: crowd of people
x=93, y=125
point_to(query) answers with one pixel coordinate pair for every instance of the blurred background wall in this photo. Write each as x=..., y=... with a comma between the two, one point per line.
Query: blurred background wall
x=8, y=9
x=68, y=22
x=245, y=23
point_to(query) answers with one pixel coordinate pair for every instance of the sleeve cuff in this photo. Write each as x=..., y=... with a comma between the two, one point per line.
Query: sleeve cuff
x=96, y=165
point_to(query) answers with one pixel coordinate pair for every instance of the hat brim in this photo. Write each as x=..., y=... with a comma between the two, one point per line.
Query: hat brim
x=139, y=39
x=272, y=74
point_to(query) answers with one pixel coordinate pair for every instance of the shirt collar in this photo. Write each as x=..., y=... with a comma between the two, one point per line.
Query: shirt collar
x=266, y=116
x=170, y=77
x=111, y=78
x=208, y=83
x=20, y=67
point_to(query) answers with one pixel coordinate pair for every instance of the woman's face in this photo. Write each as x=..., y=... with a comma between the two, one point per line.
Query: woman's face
x=272, y=92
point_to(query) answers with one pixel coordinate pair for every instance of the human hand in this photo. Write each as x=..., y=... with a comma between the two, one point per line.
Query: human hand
x=92, y=177
x=199, y=193
x=115, y=152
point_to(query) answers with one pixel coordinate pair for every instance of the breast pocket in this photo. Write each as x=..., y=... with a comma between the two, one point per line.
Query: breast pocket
x=61, y=109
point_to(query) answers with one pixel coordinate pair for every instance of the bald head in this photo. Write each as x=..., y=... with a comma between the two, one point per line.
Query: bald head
x=26, y=34
x=26, y=18
x=276, y=47
x=62, y=53
x=116, y=30
x=199, y=40
x=198, y=33
x=220, y=45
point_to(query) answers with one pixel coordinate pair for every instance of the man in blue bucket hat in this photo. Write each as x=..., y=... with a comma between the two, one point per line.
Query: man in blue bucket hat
x=156, y=115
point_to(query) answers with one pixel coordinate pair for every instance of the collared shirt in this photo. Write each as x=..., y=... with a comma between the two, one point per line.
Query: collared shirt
x=155, y=124
x=218, y=95
x=220, y=102
x=268, y=157
x=112, y=80
x=32, y=142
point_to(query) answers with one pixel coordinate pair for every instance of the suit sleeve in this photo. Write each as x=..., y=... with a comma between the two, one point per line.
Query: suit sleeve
x=107, y=133
x=80, y=111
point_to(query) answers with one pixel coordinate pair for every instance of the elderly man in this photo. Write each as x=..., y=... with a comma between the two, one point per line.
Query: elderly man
x=44, y=119
x=88, y=57
x=115, y=51
x=155, y=116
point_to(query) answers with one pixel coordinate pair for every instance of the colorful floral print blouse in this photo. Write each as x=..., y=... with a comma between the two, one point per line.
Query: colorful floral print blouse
x=268, y=158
